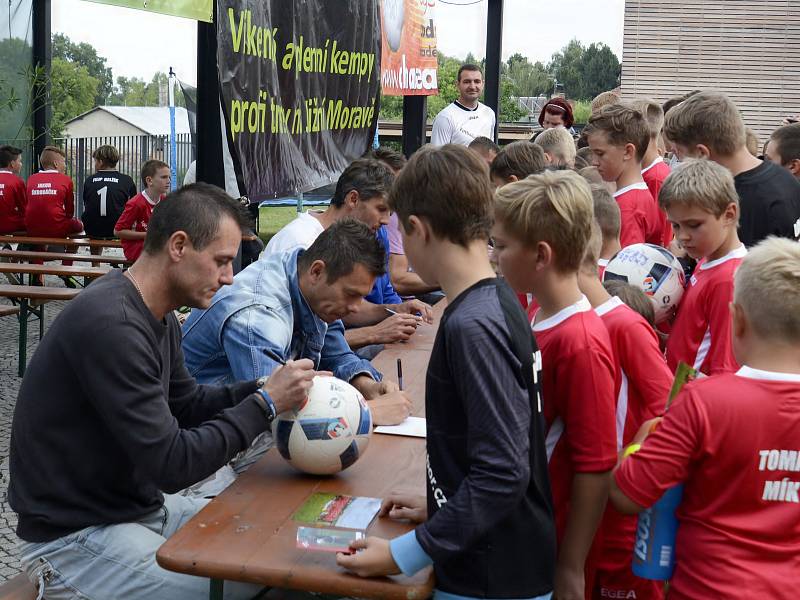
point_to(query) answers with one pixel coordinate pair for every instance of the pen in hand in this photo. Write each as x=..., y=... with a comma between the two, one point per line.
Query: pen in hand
x=400, y=374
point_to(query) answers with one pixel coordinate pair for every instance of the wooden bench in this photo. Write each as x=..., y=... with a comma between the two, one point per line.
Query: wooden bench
x=22, y=296
x=47, y=241
x=92, y=258
x=18, y=588
x=60, y=270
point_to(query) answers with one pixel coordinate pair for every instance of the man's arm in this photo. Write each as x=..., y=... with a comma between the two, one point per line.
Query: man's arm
x=124, y=226
x=407, y=283
x=131, y=399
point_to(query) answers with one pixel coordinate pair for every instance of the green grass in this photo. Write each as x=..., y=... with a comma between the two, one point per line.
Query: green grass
x=271, y=219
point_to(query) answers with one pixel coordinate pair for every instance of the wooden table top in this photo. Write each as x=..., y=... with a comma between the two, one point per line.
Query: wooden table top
x=78, y=241
x=247, y=533
x=33, y=255
x=31, y=269
x=38, y=292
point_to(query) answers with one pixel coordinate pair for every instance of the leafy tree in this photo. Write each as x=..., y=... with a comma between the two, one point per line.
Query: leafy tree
x=600, y=69
x=85, y=55
x=14, y=88
x=528, y=79
x=74, y=92
x=136, y=92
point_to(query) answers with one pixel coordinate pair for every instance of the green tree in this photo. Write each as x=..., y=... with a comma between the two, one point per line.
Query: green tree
x=565, y=66
x=134, y=91
x=527, y=79
x=14, y=88
x=85, y=55
x=600, y=70
x=73, y=91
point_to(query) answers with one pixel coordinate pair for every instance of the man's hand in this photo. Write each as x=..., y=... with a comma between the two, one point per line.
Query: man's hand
x=390, y=409
x=288, y=385
x=569, y=584
x=373, y=560
x=370, y=388
x=415, y=307
x=405, y=506
x=395, y=328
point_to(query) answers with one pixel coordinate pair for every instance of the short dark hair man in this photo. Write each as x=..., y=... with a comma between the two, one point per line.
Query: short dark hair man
x=466, y=118
x=784, y=148
x=109, y=423
x=289, y=305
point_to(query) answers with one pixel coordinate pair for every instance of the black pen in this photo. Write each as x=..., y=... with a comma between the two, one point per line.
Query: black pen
x=400, y=374
x=274, y=357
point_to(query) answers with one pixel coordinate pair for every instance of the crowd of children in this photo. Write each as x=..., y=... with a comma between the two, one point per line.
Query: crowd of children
x=602, y=372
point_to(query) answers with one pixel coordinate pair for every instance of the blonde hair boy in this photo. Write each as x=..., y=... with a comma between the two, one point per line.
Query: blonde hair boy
x=553, y=207
x=700, y=183
x=558, y=146
x=766, y=290
x=709, y=119
x=604, y=99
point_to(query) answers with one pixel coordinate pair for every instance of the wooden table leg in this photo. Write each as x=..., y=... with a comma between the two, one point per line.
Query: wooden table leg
x=217, y=586
x=23, y=335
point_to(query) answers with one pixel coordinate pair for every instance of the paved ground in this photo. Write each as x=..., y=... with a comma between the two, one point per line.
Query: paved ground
x=9, y=386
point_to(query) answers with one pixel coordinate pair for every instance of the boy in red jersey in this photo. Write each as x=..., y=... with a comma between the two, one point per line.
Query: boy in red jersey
x=642, y=387
x=50, y=210
x=703, y=207
x=654, y=169
x=618, y=137
x=542, y=226
x=12, y=191
x=132, y=224
x=732, y=440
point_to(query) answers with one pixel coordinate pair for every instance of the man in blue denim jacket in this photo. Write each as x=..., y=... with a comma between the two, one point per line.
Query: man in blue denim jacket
x=287, y=307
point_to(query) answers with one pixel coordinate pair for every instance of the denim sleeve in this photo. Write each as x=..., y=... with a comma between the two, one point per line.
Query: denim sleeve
x=338, y=358
x=390, y=296
x=252, y=338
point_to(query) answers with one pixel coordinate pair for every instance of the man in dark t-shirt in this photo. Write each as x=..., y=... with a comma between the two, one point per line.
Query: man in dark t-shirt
x=100, y=446
x=105, y=194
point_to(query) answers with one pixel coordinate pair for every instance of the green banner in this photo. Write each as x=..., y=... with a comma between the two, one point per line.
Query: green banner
x=200, y=10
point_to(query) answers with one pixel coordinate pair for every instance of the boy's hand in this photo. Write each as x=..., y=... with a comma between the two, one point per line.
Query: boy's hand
x=569, y=584
x=405, y=506
x=373, y=560
x=646, y=429
x=390, y=409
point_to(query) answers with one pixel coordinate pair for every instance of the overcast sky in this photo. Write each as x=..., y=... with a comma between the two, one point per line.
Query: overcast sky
x=138, y=43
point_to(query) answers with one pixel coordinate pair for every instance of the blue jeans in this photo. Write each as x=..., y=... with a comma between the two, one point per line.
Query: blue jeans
x=119, y=561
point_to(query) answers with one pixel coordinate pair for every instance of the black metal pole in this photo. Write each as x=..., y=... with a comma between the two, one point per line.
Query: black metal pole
x=40, y=94
x=415, y=120
x=494, y=49
x=209, y=133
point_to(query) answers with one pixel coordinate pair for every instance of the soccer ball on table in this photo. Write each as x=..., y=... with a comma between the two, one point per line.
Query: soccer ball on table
x=329, y=432
x=652, y=269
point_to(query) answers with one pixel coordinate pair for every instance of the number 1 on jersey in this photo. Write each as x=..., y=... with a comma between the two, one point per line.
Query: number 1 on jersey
x=103, y=192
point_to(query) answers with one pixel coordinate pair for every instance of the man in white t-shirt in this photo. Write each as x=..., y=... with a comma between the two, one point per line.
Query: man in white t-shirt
x=361, y=193
x=466, y=118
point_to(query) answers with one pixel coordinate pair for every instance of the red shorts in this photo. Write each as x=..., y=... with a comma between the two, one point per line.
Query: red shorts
x=622, y=584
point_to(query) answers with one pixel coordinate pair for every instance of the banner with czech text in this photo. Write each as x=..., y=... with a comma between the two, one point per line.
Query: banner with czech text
x=300, y=89
x=409, y=57
x=200, y=10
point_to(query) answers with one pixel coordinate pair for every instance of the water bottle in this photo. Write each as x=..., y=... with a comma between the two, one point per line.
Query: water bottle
x=654, y=548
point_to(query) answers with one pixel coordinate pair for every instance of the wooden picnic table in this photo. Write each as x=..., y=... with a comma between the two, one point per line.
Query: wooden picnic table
x=247, y=532
x=92, y=258
x=47, y=241
x=60, y=270
x=23, y=296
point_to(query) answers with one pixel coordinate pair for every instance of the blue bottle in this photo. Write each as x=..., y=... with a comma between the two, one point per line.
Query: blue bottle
x=654, y=549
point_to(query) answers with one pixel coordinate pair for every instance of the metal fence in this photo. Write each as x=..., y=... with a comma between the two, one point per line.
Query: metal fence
x=133, y=152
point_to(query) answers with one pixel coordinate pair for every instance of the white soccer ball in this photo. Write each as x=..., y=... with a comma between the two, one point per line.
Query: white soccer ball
x=329, y=432
x=393, y=17
x=652, y=269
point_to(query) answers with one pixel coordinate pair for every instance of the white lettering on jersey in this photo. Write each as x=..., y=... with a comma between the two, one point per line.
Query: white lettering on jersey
x=797, y=230
x=438, y=494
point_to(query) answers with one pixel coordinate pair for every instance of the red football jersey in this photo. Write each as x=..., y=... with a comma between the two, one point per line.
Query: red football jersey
x=135, y=217
x=578, y=397
x=732, y=440
x=639, y=220
x=654, y=176
x=12, y=202
x=50, y=204
x=602, y=263
x=701, y=333
x=642, y=386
